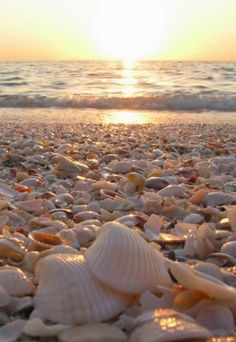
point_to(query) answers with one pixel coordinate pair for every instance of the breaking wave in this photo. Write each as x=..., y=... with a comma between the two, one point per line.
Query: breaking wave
x=181, y=102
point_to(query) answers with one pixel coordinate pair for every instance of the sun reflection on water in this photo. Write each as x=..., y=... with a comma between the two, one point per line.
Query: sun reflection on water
x=127, y=117
x=128, y=80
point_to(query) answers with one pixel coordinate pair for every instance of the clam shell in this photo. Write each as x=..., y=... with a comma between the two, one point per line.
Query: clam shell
x=93, y=332
x=10, y=248
x=31, y=205
x=15, y=282
x=194, y=280
x=137, y=266
x=42, y=240
x=166, y=325
x=12, y=331
x=219, y=198
x=173, y=190
x=68, y=293
x=156, y=183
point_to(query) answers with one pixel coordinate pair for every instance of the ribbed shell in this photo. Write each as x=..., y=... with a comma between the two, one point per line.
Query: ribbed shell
x=68, y=293
x=123, y=260
x=165, y=325
x=15, y=282
x=219, y=198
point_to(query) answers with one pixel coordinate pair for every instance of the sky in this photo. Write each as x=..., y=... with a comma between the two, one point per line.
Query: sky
x=118, y=29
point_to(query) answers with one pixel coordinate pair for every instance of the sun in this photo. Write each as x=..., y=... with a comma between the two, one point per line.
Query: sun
x=129, y=29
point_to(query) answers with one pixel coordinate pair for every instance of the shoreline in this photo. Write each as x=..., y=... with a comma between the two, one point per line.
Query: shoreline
x=95, y=116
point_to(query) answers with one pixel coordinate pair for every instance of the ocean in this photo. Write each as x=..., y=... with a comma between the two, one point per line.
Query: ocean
x=100, y=91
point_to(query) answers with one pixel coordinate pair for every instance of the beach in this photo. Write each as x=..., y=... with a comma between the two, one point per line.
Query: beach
x=131, y=226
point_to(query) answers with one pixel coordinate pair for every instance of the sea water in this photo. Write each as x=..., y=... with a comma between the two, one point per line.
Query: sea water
x=97, y=91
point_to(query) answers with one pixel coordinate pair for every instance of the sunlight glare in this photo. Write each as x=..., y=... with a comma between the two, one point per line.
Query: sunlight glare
x=129, y=30
x=127, y=117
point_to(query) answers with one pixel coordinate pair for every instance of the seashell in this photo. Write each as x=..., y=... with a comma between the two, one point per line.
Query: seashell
x=104, y=184
x=7, y=192
x=218, y=198
x=68, y=165
x=135, y=182
x=215, y=317
x=42, y=240
x=10, y=332
x=123, y=166
x=154, y=223
x=31, y=182
x=173, y=190
x=221, y=259
x=4, y=297
x=86, y=215
x=231, y=213
x=18, y=304
x=84, y=235
x=156, y=183
x=34, y=205
x=15, y=281
x=187, y=298
x=11, y=248
x=194, y=219
x=36, y=327
x=149, y=301
x=131, y=220
x=68, y=293
x=199, y=196
x=93, y=332
x=229, y=248
x=138, y=267
x=3, y=220
x=166, y=325
x=68, y=237
x=194, y=280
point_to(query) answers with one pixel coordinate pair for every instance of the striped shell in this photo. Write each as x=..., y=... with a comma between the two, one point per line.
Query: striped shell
x=68, y=293
x=166, y=325
x=123, y=260
x=219, y=198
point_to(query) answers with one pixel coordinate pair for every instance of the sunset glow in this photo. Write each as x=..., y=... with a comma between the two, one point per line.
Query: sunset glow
x=110, y=29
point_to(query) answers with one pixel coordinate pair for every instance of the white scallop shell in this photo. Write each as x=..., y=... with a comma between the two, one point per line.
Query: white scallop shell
x=68, y=293
x=93, y=332
x=166, y=325
x=123, y=260
x=194, y=280
x=15, y=282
